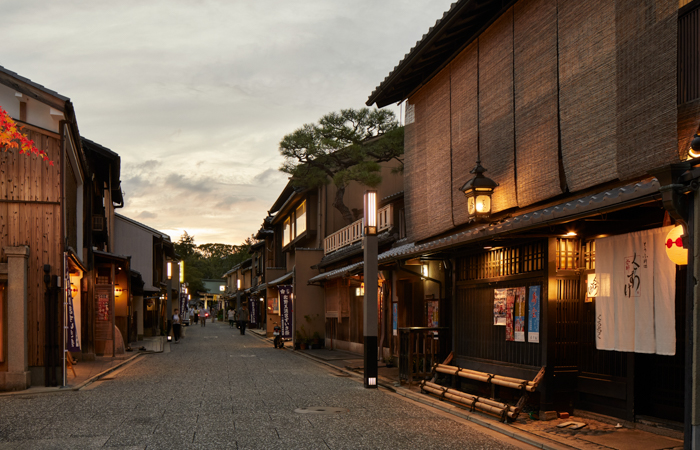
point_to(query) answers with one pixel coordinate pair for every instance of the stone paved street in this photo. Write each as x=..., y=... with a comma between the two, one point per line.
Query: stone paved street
x=217, y=389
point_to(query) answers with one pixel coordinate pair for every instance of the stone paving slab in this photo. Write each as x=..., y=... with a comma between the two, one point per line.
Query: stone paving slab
x=199, y=396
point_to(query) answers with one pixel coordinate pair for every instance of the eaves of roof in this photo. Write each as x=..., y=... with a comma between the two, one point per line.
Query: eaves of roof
x=146, y=227
x=33, y=90
x=282, y=279
x=337, y=273
x=458, y=27
x=585, y=206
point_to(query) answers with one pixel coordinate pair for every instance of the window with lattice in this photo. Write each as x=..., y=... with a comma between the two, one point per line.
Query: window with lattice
x=567, y=254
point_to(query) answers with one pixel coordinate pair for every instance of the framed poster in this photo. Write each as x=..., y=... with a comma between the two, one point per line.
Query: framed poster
x=432, y=313
x=499, y=307
x=533, y=325
x=519, y=313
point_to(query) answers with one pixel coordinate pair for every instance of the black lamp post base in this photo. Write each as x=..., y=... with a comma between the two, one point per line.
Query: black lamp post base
x=370, y=362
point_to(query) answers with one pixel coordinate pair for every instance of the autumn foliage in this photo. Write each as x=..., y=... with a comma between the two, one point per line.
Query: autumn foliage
x=11, y=138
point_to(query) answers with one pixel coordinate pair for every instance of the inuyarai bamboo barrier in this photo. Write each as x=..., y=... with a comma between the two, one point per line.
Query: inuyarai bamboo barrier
x=514, y=383
x=472, y=401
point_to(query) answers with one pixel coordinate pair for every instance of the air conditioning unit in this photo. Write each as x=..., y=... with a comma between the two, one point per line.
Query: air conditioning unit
x=98, y=222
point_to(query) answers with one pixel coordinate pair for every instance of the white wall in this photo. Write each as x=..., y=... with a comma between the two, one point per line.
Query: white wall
x=38, y=113
x=132, y=240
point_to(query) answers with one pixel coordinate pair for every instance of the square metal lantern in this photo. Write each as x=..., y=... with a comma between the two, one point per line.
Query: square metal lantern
x=479, y=191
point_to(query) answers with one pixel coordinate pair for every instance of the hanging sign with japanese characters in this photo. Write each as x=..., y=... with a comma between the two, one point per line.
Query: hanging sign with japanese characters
x=635, y=301
x=285, y=305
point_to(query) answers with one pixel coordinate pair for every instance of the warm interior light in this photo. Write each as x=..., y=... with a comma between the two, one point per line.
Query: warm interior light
x=674, y=246
x=238, y=283
x=570, y=234
x=170, y=270
x=424, y=270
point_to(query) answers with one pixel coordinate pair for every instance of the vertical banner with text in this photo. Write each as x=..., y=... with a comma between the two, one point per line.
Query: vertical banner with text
x=285, y=305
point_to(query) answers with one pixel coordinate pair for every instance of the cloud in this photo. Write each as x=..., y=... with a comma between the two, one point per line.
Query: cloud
x=147, y=215
x=197, y=116
x=268, y=175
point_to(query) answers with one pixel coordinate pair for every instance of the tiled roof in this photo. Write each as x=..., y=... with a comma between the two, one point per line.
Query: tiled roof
x=336, y=273
x=583, y=206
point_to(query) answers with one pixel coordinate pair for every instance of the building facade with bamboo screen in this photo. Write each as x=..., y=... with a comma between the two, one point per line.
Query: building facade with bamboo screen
x=583, y=113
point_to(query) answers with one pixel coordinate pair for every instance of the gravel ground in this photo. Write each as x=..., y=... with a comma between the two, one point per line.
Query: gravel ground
x=218, y=389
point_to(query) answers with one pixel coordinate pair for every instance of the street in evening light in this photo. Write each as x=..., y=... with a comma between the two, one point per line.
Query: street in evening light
x=427, y=224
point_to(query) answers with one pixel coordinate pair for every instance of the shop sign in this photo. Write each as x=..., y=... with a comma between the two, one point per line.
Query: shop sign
x=285, y=305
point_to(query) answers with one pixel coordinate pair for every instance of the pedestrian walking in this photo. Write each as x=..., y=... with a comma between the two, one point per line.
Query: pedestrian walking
x=196, y=316
x=176, y=325
x=203, y=313
x=231, y=317
x=243, y=319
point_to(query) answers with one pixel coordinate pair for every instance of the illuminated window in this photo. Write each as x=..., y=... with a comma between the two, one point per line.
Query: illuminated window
x=301, y=219
x=287, y=234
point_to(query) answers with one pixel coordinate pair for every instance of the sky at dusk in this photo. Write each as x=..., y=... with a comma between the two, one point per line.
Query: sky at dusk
x=196, y=95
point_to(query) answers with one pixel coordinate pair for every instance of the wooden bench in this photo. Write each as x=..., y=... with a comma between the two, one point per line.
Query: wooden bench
x=473, y=402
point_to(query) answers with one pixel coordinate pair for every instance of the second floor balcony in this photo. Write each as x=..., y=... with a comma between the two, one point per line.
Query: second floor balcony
x=352, y=233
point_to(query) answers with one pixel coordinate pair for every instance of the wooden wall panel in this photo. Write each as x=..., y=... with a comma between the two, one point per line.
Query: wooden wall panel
x=437, y=165
x=587, y=92
x=24, y=181
x=496, y=118
x=647, y=135
x=415, y=192
x=465, y=125
x=536, y=108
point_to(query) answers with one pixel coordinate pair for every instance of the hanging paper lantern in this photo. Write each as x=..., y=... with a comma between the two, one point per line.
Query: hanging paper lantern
x=674, y=246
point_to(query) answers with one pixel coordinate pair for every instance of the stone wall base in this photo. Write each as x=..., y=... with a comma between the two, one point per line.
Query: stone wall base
x=15, y=381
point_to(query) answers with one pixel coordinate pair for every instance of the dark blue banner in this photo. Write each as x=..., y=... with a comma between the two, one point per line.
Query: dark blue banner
x=286, y=310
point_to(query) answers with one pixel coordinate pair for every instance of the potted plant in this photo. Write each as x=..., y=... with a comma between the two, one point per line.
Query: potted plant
x=316, y=341
x=301, y=338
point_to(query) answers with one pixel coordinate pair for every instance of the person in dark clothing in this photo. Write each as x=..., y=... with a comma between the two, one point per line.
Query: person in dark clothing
x=277, y=333
x=176, y=325
x=243, y=319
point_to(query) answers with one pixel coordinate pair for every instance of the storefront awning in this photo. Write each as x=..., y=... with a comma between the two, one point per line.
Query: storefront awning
x=602, y=202
x=281, y=279
x=337, y=273
x=258, y=288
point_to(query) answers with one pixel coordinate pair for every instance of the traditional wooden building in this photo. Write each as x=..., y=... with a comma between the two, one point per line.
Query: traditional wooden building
x=43, y=228
x=583, y=115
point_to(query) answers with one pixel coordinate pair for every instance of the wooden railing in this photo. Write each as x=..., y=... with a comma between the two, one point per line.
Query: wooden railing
x=419, y=349
x=353, y=233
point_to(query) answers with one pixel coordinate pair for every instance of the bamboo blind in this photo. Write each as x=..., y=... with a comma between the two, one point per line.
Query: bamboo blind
x=536, y=91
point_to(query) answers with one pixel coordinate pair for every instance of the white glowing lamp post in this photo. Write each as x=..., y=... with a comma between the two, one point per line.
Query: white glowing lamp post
x=370, y=317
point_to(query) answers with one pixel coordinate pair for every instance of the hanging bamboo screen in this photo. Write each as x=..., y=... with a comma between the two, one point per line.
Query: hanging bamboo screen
x=536, y=105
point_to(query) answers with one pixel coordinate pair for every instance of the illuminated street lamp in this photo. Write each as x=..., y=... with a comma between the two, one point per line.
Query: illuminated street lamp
x=479, y=191
x=370, y=318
